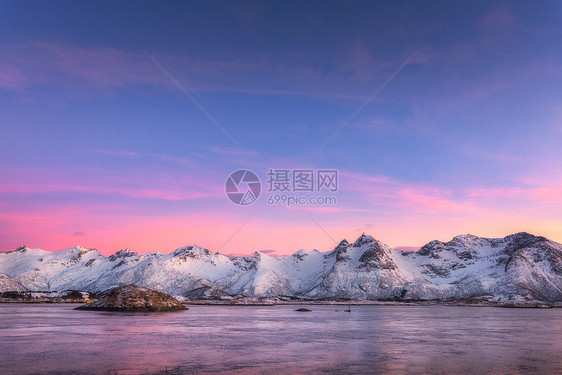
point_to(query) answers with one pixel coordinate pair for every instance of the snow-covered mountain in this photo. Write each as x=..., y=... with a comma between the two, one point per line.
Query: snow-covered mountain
x=520, y=266
x=7, y=284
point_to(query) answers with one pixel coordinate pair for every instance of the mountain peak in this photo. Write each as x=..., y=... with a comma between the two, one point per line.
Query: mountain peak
x=19, y=249
x=260, y=255
x=181, y=250
x=464, y=240
x=125, y=253
x=343, y=244
x=465, y=237
x=363, y=240
x=517, y=266
x=522, y=236
x=76, y=252
x=77, y=249
x=191, y=251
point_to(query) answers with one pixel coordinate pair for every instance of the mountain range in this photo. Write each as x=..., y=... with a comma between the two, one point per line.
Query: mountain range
x=519, y=267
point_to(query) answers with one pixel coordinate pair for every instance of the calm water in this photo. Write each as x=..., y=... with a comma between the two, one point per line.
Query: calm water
x=49, y=339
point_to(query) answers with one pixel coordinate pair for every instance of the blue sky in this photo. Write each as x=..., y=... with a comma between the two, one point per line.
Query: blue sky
x=100, y=148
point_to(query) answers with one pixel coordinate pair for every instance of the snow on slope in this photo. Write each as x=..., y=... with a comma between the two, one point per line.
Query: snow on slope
x=469, y=266
x=7, y=284
x=263, y=275
x=517, y=266
x=362, y=270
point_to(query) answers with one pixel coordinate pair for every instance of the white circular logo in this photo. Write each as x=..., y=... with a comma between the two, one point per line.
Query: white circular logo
x=243, y=187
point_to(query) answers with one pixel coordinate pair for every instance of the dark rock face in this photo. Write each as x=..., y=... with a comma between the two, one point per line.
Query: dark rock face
x=20, y=249
x=207, y=292
x=132, y=298
x=376, y=258
x=514, y=268
x=363, y=240
x=432, y=249
x=341, y=255
x=122, y=254
x=522, y=240
x=342, y=245
x=436, y=270
x=194, y=252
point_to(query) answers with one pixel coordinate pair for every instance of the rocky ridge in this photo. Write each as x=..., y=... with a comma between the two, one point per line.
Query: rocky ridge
x=519, y=267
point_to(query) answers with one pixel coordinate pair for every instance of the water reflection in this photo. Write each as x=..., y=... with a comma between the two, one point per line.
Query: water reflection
x=44, y=339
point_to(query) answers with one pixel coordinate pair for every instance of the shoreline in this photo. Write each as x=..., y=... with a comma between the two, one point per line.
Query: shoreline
x=533, y=304
x=517, y=305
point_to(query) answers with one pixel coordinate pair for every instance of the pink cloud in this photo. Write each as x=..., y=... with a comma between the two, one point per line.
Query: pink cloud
x=12, y=77
x=544, y=195
x=396, y=212
x=497, y=18
x=37, y=63
x=402, y=213
x=231, y=151
x=426, y=199
x=325, y=209
x=82, y=70
x=54, y=230
x=132, y=184
x=156, y=156
x=393, y=194
x=143, y=193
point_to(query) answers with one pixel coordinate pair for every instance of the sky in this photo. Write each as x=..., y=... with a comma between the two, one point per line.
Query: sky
x=122, y=120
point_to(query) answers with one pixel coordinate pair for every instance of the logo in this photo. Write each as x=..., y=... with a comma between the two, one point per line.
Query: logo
x=243, y=187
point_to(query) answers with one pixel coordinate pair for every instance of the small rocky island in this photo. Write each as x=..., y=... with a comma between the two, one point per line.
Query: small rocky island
x=132, y=298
